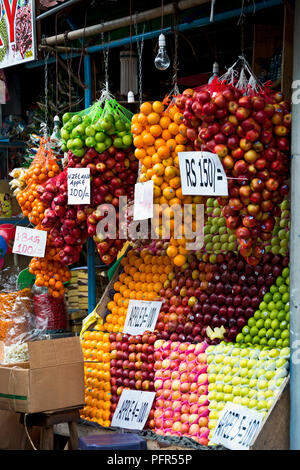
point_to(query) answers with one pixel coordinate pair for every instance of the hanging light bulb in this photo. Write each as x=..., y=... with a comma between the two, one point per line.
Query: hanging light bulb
x=215, y=72
x=162, y=61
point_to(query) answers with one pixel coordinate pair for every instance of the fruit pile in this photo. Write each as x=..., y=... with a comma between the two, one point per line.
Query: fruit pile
x=131, y=364
x=96, y=353
x=250, y=377
x=250, y=133
x=97, y=128
x=142, y=278
x=113, y=175
x=269, y=325
x=158, y=135
x=181, y=404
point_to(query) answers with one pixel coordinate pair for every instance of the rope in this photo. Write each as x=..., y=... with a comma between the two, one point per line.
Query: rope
x=27, y=433
x=130, y=47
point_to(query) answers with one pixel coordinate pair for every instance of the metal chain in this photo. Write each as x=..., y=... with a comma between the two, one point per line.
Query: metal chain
x=46, y=57
x=140, y=46
x=105, y=56
x=175, y=62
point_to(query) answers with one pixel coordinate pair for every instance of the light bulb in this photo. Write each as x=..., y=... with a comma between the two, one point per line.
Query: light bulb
x=162, y=61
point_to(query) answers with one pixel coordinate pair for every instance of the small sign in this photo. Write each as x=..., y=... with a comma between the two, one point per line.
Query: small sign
x=141, y=316
x=236, y=427
x=133, y=409
x=79, y=186
x=30, y=242
x=143, y=201
x=202, y=174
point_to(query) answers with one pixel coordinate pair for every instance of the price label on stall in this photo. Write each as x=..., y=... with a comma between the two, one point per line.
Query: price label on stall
x=30, y=242
x=237, y=426
x=143, y=201
x=141, y=316
x=79, y=186
x=133, y=409
x=202, y=174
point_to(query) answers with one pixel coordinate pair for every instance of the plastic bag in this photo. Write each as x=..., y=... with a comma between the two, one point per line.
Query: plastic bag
x=43, y=167
x=103, y=124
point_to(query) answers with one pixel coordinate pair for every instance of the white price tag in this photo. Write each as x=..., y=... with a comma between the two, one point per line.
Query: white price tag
x=133, y=409
x=236, y=427
x=79, y=186
x=30, y=242
x=143, y=201
x=141, y=316
x=202, y=174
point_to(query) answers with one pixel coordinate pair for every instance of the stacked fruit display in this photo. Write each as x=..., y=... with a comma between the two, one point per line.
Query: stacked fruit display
x=158, y=135
x=142, y=279
x=251, y=377
x=181, y=404
x=269, y=325
x=250, y=133
x=131, y=364
x=96, y=352
x=96, y=128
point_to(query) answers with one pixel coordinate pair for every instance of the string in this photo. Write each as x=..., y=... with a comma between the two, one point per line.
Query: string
x=162, y=15
x=82, y=46
x=56, y=63
x=130, y=53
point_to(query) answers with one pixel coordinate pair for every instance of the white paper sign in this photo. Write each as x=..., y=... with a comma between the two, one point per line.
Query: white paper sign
x=30, y=242
x=141, y=316
x=79, y=186
x=133, y=409
x=236, y=427
x=202, y=174
x=143, y=201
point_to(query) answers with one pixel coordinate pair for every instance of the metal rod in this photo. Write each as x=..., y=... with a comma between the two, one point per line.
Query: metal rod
x=61, y=49
x=88, y=98
x=294, y=249
x=198, y=23
x=125, y=21
x=56, y=9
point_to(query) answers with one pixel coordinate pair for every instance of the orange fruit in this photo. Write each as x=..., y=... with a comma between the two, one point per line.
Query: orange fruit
x=158, y=107
x=146, y=108
x=153, y=118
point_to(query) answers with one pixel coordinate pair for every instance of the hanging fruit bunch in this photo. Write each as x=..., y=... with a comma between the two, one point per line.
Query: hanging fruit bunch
x=159, y=134
x=105, y=148
x=43, y=168
x=49, y=271
x=67, y=232
x=249, y=129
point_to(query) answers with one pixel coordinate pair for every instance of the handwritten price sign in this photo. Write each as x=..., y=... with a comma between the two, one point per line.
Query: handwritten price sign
x=30, y=242
x=141, y=316
x=237, y=426
x=202, y=174
x=79, y=186
x=133, y=409
x=143, y=201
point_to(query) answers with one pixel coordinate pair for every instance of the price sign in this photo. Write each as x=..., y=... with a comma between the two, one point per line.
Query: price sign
x=141, y=316
x=143, y=201
x=202, y=174
x=236, y=427
x=133, y=409
x=30, y=242
x=79, y=186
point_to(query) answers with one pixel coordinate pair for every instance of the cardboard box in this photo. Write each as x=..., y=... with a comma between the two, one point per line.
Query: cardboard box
x=52, y=379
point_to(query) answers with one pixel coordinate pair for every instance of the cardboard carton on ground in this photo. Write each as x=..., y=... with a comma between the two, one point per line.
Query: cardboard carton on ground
x=52, y=379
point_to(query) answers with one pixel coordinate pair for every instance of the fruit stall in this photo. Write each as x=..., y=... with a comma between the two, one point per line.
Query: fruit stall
x=159, y=235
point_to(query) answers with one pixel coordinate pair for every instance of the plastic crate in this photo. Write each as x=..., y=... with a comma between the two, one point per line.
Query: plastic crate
x=125, y=441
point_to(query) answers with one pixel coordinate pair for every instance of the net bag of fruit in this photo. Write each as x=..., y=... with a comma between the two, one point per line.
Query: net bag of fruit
x=50, y=313
x=16, y=318
x=116, y=122
x=61, y=219
x=43, y=167
x=247, y=125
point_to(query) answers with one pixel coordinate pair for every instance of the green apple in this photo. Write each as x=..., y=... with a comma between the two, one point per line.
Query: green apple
x=252, y=403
